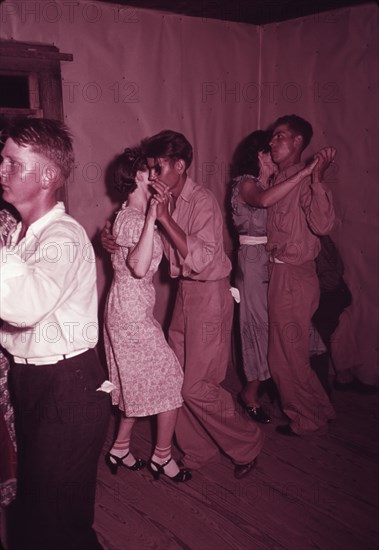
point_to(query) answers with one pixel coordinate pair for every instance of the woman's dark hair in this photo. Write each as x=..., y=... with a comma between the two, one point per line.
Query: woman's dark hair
x=245, y=158
x=126, y=167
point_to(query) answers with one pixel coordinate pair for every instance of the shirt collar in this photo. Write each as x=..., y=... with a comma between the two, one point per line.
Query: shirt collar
x=291, y=170
x=56, y=212
x=187, y=191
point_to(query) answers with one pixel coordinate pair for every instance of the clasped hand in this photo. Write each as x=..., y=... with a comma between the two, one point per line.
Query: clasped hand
x=321, y=161
x=161, y=200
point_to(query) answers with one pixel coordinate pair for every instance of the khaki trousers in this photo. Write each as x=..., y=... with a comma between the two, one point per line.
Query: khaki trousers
x=293, y=297
x=200, y=335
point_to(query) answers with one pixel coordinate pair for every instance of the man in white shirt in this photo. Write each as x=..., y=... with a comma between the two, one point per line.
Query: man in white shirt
x=48, y=305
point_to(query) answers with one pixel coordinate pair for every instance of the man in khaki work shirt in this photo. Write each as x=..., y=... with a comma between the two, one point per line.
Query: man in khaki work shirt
x=192, y=227
x=293, y=226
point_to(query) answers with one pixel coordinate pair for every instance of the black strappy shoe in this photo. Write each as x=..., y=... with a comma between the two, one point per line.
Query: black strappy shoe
x=158, y=469
x=113, y=462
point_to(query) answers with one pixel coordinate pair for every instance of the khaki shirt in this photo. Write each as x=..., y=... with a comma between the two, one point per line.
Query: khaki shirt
x=198, y=214
x=295, y=222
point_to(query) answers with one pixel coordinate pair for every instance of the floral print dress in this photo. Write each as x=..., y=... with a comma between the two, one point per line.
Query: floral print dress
x=142, y=366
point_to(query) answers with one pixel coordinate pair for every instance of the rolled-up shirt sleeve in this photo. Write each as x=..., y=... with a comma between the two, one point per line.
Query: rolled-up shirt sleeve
x=30, y=291
x=317, y=204
x=27, y=294
x=48, y=295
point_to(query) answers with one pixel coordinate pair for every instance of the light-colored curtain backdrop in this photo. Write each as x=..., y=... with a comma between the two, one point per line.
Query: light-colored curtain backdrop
x=325, y=68
x=136, y=72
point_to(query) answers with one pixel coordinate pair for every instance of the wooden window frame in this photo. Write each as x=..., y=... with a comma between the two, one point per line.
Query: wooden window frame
x=41, y=63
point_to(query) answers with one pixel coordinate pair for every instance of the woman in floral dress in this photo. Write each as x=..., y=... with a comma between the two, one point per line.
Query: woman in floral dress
x=145, y=371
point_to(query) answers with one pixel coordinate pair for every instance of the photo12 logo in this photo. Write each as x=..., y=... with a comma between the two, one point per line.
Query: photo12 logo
x=124, y=91
x=269, y=92
x=67, y=12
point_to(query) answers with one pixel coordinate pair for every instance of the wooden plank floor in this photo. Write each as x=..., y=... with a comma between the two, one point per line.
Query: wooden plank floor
x=305, y=494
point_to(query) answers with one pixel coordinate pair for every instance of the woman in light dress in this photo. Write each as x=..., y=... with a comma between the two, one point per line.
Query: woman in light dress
x=145, y=371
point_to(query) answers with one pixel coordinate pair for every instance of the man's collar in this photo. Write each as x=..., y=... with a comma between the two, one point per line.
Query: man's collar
x=56, y=212
x=187, y=190
x=291, y=170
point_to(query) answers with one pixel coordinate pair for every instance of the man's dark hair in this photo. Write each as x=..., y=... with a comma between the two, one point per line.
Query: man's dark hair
x=168, y=144
x=245, y=158
x=51, y=138
x=298, y=125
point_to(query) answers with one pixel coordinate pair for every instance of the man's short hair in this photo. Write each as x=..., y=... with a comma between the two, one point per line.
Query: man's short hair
x=298, y=125
x=50, y=138
x=168, y=144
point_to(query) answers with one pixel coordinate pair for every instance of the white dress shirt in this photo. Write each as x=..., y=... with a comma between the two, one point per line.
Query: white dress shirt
x=48, y=296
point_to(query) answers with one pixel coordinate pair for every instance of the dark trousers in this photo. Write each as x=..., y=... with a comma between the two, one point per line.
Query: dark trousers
x=61, y=424
x=330, y=307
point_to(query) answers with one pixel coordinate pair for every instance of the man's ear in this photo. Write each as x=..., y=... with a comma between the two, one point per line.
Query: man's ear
x=298, y=141
x=180, y=166
x=50, y=177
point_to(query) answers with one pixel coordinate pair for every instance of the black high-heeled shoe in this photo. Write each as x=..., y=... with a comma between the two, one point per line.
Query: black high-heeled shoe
x=113, y=462
x=158, y=469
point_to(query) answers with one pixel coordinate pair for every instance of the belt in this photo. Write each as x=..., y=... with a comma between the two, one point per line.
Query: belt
x=51, y=360
x=251, y=240
x=188, y=279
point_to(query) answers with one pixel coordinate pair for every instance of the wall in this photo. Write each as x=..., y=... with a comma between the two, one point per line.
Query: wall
x=325, y=68
x=136, y=72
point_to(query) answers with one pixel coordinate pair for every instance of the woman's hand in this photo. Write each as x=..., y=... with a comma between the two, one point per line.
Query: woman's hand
x=7, y=226
x=267, y=168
